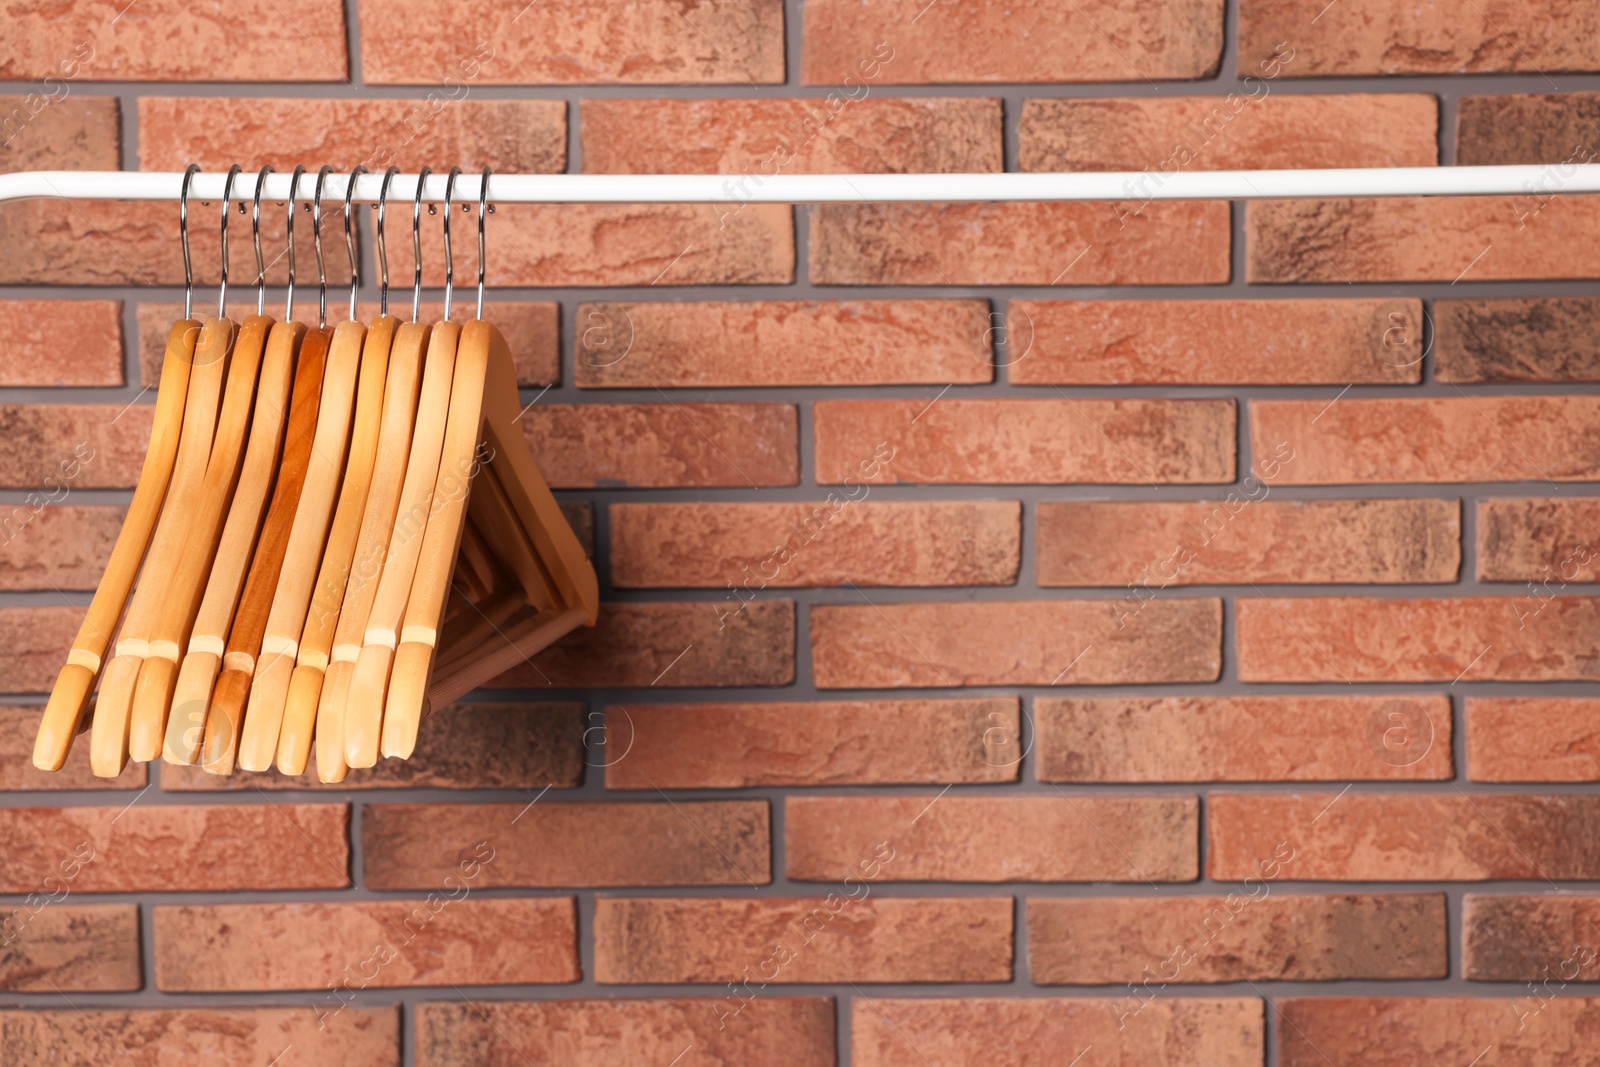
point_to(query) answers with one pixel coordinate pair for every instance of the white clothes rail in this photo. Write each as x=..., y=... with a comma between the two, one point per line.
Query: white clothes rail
x=1541, y=179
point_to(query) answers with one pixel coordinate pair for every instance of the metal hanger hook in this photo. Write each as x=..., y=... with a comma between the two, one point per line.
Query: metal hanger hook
x=483, y=209
x=255, y=236
x=416, y=243
x=350, y=237
x=316, y=238
x=449, y=259
x=227, y=203
x=183, y=236
x=294, y=189
x=383, y=250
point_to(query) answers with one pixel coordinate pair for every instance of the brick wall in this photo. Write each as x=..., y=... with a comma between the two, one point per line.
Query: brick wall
x=1137, y=635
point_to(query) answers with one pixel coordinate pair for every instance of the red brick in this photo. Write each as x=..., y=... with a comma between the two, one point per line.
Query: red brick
x=1248, y=129
x=19, y=726
x=1402, y=837
x=61, y=342
x=68, y=948
x=527, y=136
x=1251, y=934
x=1132, y=441
x=35, y=643
x=463, y=746
x=665, y=644
x=256, y=41
x=968, y=838
x=844, y=937
x=1385, y=37
x=195, y=1037
x=442, y=939
x=1242, y=739
x=1517, y=339
x=1057, y=642
x=1549, y=128
x=1533, y=739
x=834, y=541
x=1160, y=243
x=633, y=446
x=81, y=446
x=55, y=546
x=991, y=41
x=846, y=132
x=419, y=846
x=700, y=1032
x=134, y=848
x=1401, y=1031
x=1248, y=538
x=53, y=131
x=715, y=344
x=859, y=742
x=1545, y=540
x=1475, y=639
x=569, y=42
x=1167, y=1032
x=1543, y=939
x=1421, y=239
x=1435, y=439
x=1214, y=342
x=532, y=329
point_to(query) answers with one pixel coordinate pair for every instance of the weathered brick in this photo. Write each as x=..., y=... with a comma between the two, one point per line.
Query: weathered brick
x=79, y=446
x=1401, y=1031
x=1421, y=239
x=1214, y=342
x=1252, y=934
x=835, y=541
x=967, y=838
x=617, y=446
x=527, y=136
x=1474, y=639
x=19, y=726
x=660, y=643
x=1156, y=243
x=716, y=344
x=129, y=848
x=532, y=329
x=464, y=746
x=1253, y=129
x=861, y=742
x=1163, y=1032
x=442, y=939
x=47, y=546
x=1549, y=128
x=1517, y=339
x=700, y=1032
x=1247, y=538
x=569, y=42
x=48, y=947
x=844, y=937
x=1435, y=439
x=991, y=41
x=1409, y=837
x=271, y=41
x=35, y=643
x=61, y=342
x=1544, y=939
x=54, y=130
x=1132, y=441
x=1060, y=642
x=1533, y=739
x=419, y=846
x=196, y=1037
x=1549, y=541
x=847, y=132
x=1242, y=739
x=1385, y=37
